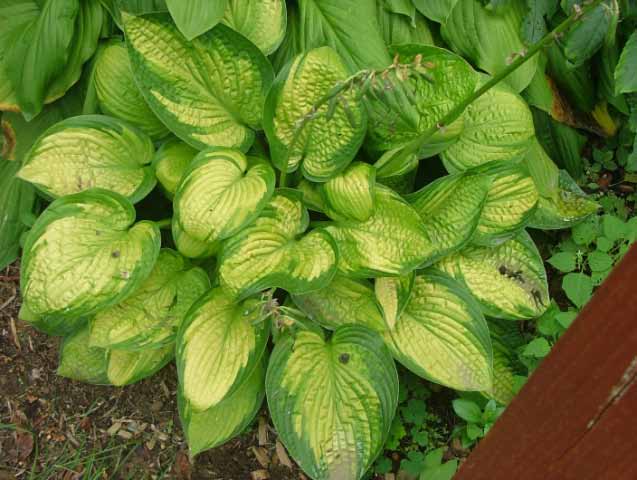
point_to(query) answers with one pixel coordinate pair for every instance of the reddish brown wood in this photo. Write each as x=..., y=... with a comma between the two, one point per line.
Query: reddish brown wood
x=576, y=418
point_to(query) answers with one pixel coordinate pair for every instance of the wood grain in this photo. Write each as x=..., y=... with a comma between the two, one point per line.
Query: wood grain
x=576, y=418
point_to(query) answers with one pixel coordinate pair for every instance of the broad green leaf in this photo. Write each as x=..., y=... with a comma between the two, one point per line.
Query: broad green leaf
x=508, y=281
x=351, y=194
x=497, y=126
x=135, y=7
x=468, y=410
x=225, y=420
x=344, y=301
x=393, y=241
x=490, y=38
x=399, y=29
x=534, y=22
x=125, y=367
x=84, y=254
x=442, y=335
x=600, y=261
x=545, y=174
x=321, y=143
x=15, y=17
x=263, y=22
x=208, y=92
x=614, y=228
x=190, y=247
x=586, y=36
x=348, y=26
x=451, y=208
x=332, y=401
x=436, y=10
x=567, y=207
x=393, y=295
x=219, y=345
x=221, y=192
x=79, y=361
x=274, y=251
x=401, y=110
x=576, y=84
x=16, y=199
x=562, y=143
x=578, y=288
x=150, y=317
x=91, y=151
x=537, y=348
x=510, y=204
x=171, y=162
x=564, y=261
x=194, y=17
x=117, y=93
x=626, y=71
x=39, y=50
x=88, y=28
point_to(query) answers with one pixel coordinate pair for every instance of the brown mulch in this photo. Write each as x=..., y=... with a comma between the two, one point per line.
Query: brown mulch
x=43, y=417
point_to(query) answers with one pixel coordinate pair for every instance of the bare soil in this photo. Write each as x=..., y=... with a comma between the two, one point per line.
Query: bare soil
x=55, y=428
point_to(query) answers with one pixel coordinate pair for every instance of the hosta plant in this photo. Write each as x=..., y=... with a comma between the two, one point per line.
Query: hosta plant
x=303, y=253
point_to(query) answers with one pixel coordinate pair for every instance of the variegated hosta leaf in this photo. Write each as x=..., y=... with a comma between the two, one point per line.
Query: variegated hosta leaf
x=497, y=126
x=312, y=195
x=80, y=361
x=393, y=295
x=510, y=203
x=225, y=420
x=221, y=192
x=325, y=144
x=568, y=206
x=509, y=281
x=393, y=241
x=126, y=367
x=91, y=151
x=55, y=326
x=451, y=208
x=332, y=401
x=84, y=254
x=442, y=335
x=344, y=301
x=506, y=338
x=263, y=22
x=189, y=246
x=208, y=92
x=351, y=194
x=489, y=37
x=412, y=106
x=272, y=253
x=117, y=93
x=219, y=345
x=171, y=162
x=150, y=317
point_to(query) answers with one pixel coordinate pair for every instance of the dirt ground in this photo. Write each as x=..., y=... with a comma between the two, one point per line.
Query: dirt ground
x=55, y=428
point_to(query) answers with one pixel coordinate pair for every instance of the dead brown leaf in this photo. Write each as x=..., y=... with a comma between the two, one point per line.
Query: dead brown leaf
x=182, y=467
x=260, y=475
x=24, y=444
x=283, y=455
x=262, y=434
x=261, y=454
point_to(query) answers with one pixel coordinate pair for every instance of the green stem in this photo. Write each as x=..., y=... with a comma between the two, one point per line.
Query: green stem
x=416, y=144
x=165, y=224
x=283, y=177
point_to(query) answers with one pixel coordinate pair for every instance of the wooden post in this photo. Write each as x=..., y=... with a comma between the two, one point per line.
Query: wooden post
x=576, y=418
